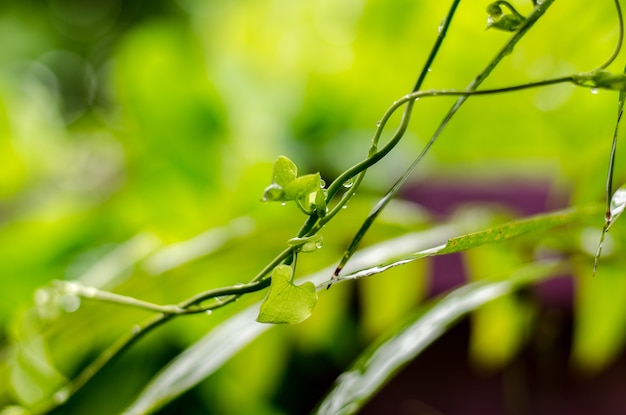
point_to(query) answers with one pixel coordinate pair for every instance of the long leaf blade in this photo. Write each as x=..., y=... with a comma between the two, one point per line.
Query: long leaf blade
x=510, y=230
x=207, y=355
x=379, y=363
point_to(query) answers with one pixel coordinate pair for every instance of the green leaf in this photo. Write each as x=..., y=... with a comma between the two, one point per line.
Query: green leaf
x=506, y=318
x=207, y=355
x=286, y=186
x=303, y=186
x=285, y=171
x=198, y=361
x=286, y=302
x=510, y=230
x=600, y=317
x=14, y=410
x=380, y=362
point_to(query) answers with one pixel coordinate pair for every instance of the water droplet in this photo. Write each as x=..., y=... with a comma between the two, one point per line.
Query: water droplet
x=322, y=183
x=208, y=312
x=441, y=26
x=283, y=203
x=70, y=303
x=430, y=69
x=348, y=183
x=344, y=207
x=61, y=395
x=136, y=329
x=594, y=91
x=378, y=123
x=319, y=244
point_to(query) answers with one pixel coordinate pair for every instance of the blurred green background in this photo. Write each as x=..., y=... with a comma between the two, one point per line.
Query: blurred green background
x=136, y=138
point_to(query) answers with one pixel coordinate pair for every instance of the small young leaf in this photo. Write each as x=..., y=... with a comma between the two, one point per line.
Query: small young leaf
x=302, y=186
x=308, y=244
x=285, y=171
x=600, y=315
x=287, y=303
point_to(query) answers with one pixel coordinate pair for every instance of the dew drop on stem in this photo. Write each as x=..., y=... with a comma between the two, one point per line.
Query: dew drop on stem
x=61, y=396
x=594, y=91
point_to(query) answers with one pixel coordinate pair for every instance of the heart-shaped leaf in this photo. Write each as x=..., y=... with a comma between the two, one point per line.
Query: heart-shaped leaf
x=286, y=302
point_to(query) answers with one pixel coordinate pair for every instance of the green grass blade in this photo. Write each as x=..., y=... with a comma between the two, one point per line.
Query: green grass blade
x=380, y=362
x=473, y=86
x=207, y=355
x=510, y=230
x=609, y=217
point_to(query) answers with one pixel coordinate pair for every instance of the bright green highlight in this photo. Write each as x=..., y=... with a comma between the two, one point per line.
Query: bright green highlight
x=305, y=190
x=286, y=302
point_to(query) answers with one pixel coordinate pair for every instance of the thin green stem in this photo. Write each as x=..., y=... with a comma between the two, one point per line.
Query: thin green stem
x=223, y=296
x=357, y=172
x=443, y=30
x=506, y=50
x=608, y=216
x=510, y=7
x=620, y=38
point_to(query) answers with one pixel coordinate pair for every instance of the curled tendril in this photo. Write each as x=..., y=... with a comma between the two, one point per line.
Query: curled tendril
x=508, y=22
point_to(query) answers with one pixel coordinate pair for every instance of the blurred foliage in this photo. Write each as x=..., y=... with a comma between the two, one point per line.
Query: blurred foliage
x=136, y=138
